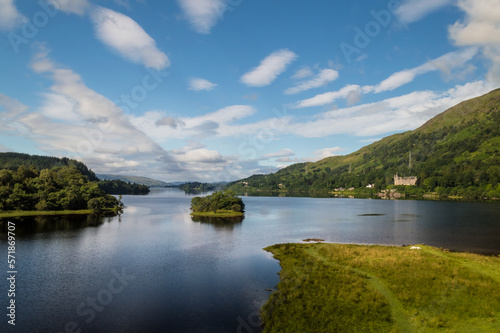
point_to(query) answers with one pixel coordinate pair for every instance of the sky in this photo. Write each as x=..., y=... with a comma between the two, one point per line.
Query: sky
x=218, y=90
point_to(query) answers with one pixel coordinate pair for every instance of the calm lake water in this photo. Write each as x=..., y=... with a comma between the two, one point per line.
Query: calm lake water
x=155, y=270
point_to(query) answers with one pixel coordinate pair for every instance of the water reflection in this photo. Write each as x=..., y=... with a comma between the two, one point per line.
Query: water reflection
x=227, y=223
x=30, y=225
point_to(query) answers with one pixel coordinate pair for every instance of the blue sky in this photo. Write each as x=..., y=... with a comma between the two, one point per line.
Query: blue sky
x=217, y=90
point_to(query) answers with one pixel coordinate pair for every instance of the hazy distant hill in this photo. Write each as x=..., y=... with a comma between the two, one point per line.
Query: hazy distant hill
x=134, y=179
x=456, y=152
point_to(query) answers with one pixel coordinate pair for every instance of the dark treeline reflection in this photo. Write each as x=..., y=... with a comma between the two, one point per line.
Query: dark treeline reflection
x=30, y=225
x=219, y=222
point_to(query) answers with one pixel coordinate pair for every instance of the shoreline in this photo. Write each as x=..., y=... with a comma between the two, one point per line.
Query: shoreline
x=220, y=213
x=352, y=194
x=382, y=288
x=8, y=214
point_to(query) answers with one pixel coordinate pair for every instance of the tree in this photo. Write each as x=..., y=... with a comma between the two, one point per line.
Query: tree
x=219, y=200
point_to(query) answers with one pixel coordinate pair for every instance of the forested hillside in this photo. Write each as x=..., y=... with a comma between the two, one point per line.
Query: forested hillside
x=118, y=186
x=59, y=188
x=134, y=179
x=12, y=161
x=455, y=153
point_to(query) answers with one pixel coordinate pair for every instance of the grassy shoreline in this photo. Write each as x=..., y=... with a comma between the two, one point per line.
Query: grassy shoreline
x=360, y=288
x=6, y=214
x=219, y=213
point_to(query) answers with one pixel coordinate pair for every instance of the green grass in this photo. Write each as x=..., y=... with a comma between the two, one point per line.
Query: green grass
x=219, y=213
x=357, y=288
x=4, y=214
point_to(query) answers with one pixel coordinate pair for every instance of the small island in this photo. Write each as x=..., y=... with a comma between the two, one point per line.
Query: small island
x=218, y=204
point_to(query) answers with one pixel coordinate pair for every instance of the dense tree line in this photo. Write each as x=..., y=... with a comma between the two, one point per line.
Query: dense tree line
x=12, y=161
x=220, y=200
x=197, y=187
x=59, y=188
x=118, y=186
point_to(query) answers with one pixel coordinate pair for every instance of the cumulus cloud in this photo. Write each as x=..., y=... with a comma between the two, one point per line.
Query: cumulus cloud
x=198, y=84
x=125, y=36
x=414, y=10
x=78, y=7
x=201, y=155
x=10, y=17
x=481, y=27
x=322, y=78
x=74, y=119
x=218, y=123
x=329, y=97
x=203, y=14
x=269, y=68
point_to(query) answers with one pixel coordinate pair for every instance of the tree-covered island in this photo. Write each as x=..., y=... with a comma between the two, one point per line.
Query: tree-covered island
x=218, y=204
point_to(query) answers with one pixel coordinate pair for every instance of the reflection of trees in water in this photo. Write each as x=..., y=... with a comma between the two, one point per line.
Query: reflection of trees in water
x=28, y=225
x=219, y=222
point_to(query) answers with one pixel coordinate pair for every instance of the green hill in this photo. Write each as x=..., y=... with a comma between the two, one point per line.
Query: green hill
x=455, y=153
x=12, y=161
x=134, y=179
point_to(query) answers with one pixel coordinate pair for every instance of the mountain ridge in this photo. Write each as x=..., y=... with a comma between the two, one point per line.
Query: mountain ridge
x=455, y=153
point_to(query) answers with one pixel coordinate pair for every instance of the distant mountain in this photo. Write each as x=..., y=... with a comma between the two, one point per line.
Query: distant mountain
x=12, y=161
x=135, y=179
x=455, y=153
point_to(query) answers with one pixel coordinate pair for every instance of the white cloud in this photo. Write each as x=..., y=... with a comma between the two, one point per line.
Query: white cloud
x=11, y=107
x=320, y=154
x=322, y=78
x=78, y=7
x=74, y=119
x=281, y=153
x=400, y=113
x=445, y=63
x=481, y=27
x=303, y=73
x=201, y=156
x=10, y=112
x=10, y=17
x=125, y=36
x=219, y=123
x=198, y=84
x=60, y=107
x=414, y=10
x=169, y=121
x=269, y=68
x=203, y=14
x=328, y=98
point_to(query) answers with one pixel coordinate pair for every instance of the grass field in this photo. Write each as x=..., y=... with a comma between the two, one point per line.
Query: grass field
x=357, y=288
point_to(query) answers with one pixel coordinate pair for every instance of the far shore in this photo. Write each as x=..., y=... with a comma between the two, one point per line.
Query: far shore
x=23, y=213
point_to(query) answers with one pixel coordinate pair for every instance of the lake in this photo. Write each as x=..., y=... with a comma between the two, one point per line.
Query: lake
x=153, y=269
